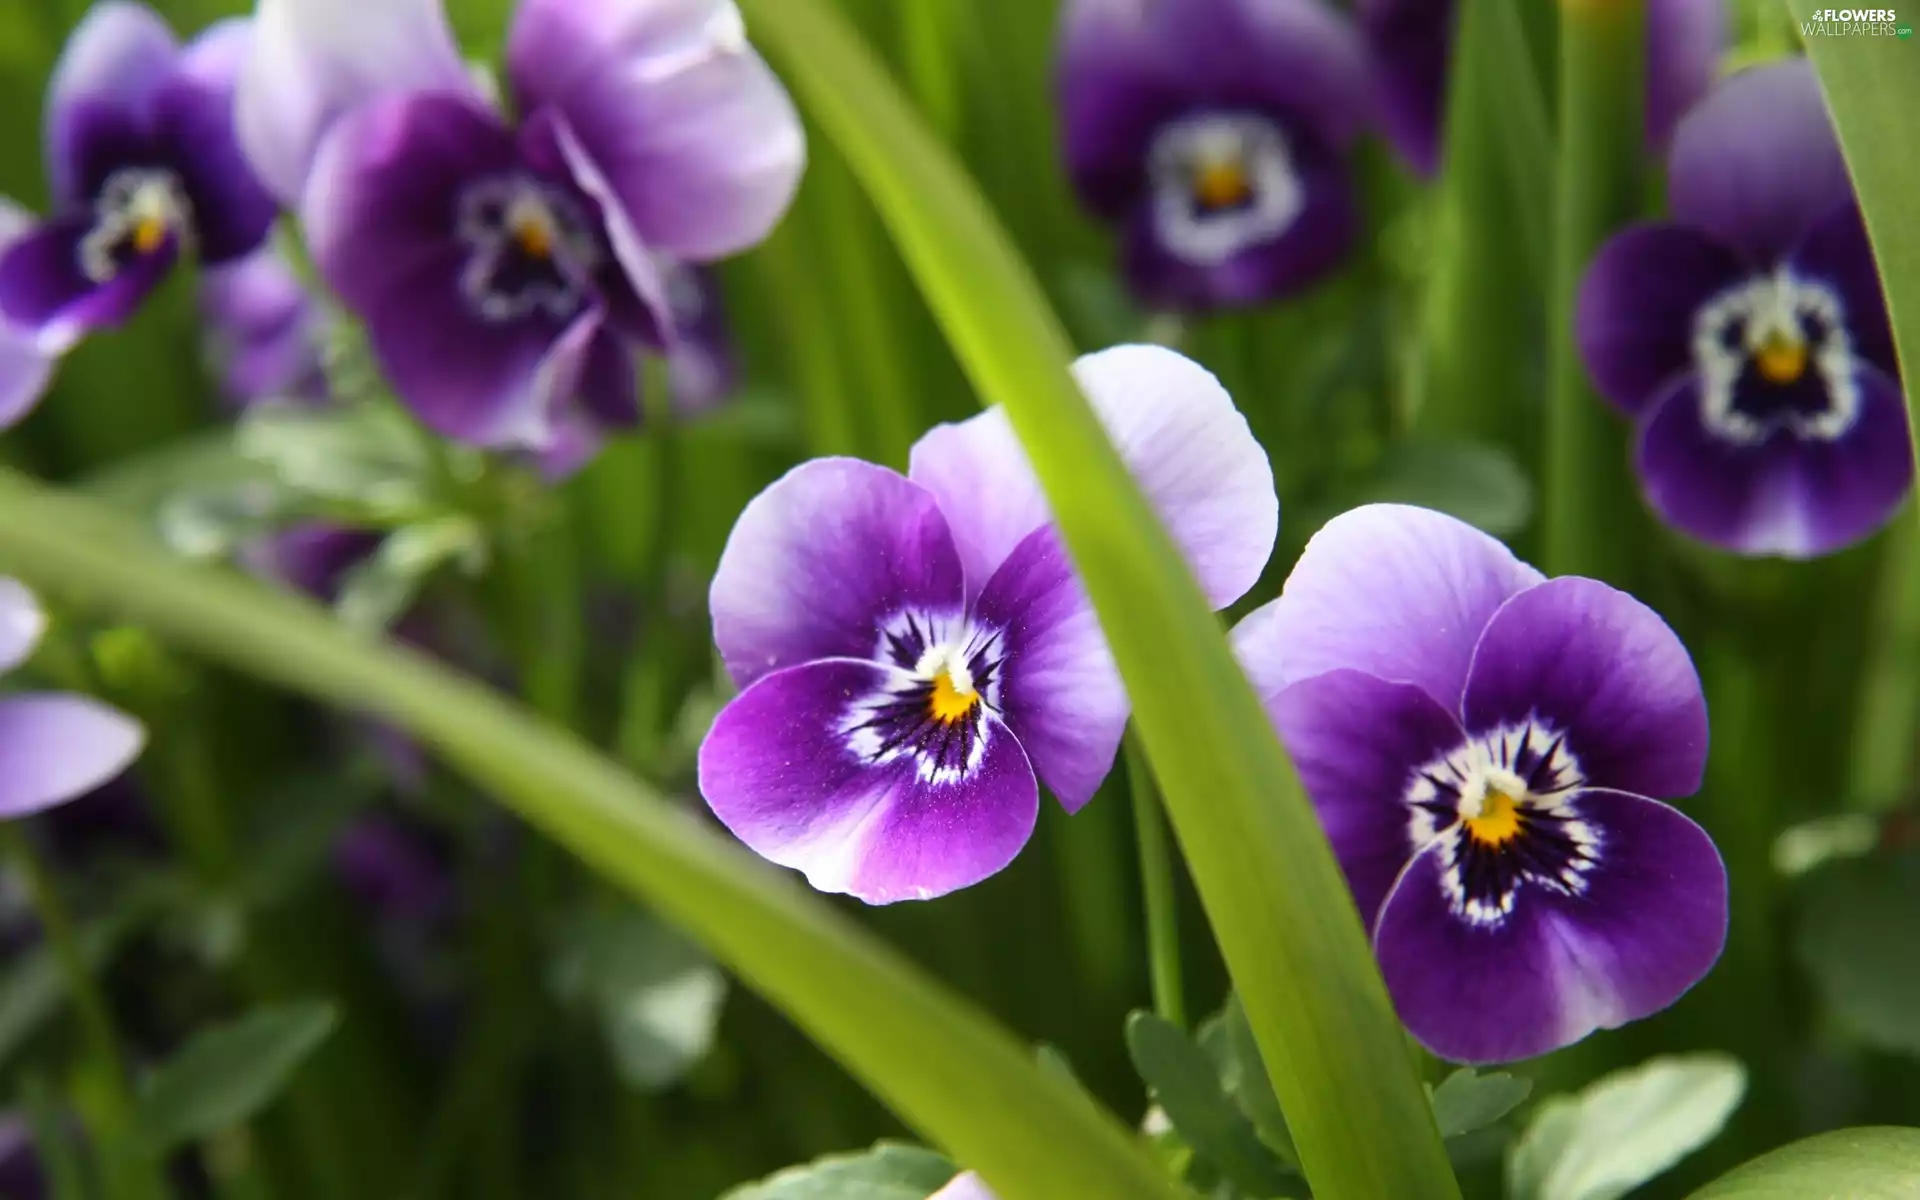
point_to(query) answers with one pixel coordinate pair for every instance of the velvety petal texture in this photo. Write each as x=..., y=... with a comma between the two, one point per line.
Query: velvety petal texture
x=112, y=70
x=193, y=118
x=54, y=748
x=1634, y=321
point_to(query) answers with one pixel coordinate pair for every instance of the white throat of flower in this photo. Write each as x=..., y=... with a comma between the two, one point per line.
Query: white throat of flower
x=1222, y=182
x=1782, y=326
x=138, y=209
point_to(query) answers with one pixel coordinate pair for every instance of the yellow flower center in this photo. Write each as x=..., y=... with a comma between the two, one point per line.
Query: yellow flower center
x=148, y=233
x=1222, y=183
x=534, y=235
x=1781, y=358
x=1498, y=822
x=950, y=702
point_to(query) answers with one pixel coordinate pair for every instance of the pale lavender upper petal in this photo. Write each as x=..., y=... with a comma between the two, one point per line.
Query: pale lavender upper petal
x=116, y=60
x=1175, y=427
x=965, y=1186
x=193, y=119
x=698, y=139
x=817, y=561
x=21, y=623
x=1598, y=666
x=1756, y=162
x=1399, y=592
x=25, y=368
x=778, y=770
x=1060, y=690
x=1357, y=741
x=1685, y=39
x=55, y=747
x=313, y=60
x=1647, y=925
x=1637, y=305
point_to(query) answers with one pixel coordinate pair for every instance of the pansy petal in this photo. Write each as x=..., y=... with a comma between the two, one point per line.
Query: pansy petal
x=1837, y=254
x=964, y=1186
x=1301, y=59
x=1060, y=690
x=1115, y=85
x=1598, y=666
x=25, y=371
x=1685, y=39
x=1647, y=925
x=636, y=293
x=1411, y=43
x=313, y=60
x=264, y=329
x=1784, y=496
x=45, y=293
x=700, y=142
x=1175, y=427
x=1357, y=741
x=1399, y=592
x=21, y=623
x=55, y=747
x=819, y=560
x=782, y=771
x=114, y=65
x=232, y=212
x=1756, y=162
x=1634, y=320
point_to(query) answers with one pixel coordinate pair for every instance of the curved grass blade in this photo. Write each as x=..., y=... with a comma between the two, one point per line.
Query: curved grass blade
x=1278, y=904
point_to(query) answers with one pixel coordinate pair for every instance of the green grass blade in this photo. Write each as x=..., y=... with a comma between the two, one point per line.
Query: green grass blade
x=943, y=1066
x=1277, y=901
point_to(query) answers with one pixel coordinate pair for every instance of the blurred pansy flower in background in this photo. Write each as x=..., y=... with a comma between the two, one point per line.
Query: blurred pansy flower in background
x=54, y=747
x=1214, y=134
x=24, y=367
x=1481, y=744
x=144, y=171
x=506, y=268
x=21, y=1177
x=702, y=367
x=1747, y=335
x=266, y=333
x=917, y=652
x=1411, y=43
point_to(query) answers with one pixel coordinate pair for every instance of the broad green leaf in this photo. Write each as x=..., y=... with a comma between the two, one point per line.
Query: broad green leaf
x=1624, y=1130
x=229, y=1072
x=1188, y=1090
x=889, y=1171
x=947, y=1069
x=1873, y=1163
x=1479, y=484
x=1856, y=936
x=656, y=997
x=1467, y=1100
x=1873, y=92
x=1277, y=901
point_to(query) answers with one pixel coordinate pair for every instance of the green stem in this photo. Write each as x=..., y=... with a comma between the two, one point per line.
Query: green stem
x=645, y=712
x=548, y=640
x=1157, y=888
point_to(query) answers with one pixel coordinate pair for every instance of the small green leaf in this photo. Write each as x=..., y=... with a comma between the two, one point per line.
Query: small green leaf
x=1245, y=1077
x=889, y=1171
x=1856, y=937
x=229, y=1072
x=1860, y=1164
x=379, y=590
x=1625, y=1129
x=1467, y=1100
x=1479, y=484
x=656, y=996
x=1184, y=1082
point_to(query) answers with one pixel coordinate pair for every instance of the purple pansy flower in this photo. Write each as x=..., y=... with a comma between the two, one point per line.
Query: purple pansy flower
x=1481, y=744
x=24, y=367
x=54, y=747
x=143, y=168
x=1412, y=40
x=917, y=653
x=505, y=268
x=964, y=1186
x=702, y=370
x=1747, y=336
x=265, y=331
x=1214, y=133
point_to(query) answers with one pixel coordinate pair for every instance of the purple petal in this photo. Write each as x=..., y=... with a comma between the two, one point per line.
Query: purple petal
x=45, y=293
x=1399, y=592
x=633, y=285
x=1638, y=301
x=1311, y=247
x=392, y=868
x=25, y=369
x=232, y=212
x=1302, y=60
x=1602, y=668
x=1685, y=39
x=1115, y=87
x=1648, y=924
x=1785, y=496
x=55, y=747
x=1411, y=43
x=264, y=329
x=1756, y=162
x=817, y=561
x=778, y=770
x=1357, y=741
x=1838, y=254
x=702, y=368
x=21, y=623
x=1061, y=692
x=313, y=60
x=315, y=557
x=697, y=138
x=113, y=67
x=1175, y=427
x=964, y=1186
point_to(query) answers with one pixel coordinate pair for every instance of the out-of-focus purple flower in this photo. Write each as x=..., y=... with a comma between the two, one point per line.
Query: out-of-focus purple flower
x=1747, y=336
x=393, y=869
x=20, y=1174
x=314, y=556
x=53, y=746
x=702, y=369
x=965, y=1186
x=24, y=367
x=1412, y=41
x=1214, y=133
x=143, y=169
x=265, y=331
x=506, y=271
x=1480, y=743
x=916, y=649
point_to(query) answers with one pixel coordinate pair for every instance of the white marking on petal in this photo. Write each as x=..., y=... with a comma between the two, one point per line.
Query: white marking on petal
x=1780, y=307
x=1255, y=151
